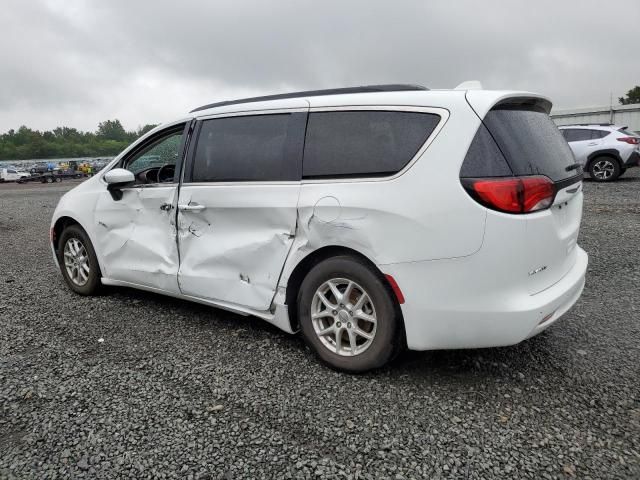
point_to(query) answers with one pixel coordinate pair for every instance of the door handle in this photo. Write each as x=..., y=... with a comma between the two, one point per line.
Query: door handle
x=191, y=208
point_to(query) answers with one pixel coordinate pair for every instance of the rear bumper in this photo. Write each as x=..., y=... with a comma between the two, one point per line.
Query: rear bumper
x=442, y=311
x=633, y=160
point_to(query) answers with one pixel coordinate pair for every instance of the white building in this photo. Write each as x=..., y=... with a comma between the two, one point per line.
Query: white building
x=623, y=115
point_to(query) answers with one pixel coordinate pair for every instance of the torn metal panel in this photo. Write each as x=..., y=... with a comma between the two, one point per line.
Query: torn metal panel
x=233, y=249
x=137, y=237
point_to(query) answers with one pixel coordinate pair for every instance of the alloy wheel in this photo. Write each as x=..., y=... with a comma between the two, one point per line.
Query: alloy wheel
x=603, y=169
x=343, y=317
x=76, y=262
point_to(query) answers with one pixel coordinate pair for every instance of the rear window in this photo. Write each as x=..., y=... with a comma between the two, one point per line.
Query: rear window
x=249, y=148
x=530, y=142
x=626, y=131
x=363, y=143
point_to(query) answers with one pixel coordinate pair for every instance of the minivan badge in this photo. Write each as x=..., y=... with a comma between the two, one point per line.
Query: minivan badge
x=537, y=270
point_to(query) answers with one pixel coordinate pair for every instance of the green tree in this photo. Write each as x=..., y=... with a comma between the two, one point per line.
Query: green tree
x=112, y=130
x=65, y=142
x=633, y=96
x=147, y=128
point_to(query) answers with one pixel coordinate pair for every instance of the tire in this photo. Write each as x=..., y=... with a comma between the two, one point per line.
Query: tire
x=49, y=180
x=604, y=169
x=73, y=235
x=58, y=179
x=369, y=353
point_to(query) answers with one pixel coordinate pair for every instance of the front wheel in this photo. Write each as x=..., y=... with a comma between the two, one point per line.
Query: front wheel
x=604, y=169
x=348, y=316
x=78, y=261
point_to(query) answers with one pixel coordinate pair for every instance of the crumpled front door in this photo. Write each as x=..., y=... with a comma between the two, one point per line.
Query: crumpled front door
x=136, y=236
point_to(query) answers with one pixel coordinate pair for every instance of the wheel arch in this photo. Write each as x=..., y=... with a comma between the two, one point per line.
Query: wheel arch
x=58, y=227
x=65, y=221
x=604, y=153
x=305, y=265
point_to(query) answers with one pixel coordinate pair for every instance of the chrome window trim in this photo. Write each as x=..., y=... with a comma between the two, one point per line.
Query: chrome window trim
x=251, y=113
x=150, y=185
x=241, y=183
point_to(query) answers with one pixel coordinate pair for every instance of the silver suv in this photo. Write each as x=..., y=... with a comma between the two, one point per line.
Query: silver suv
x=605, y=151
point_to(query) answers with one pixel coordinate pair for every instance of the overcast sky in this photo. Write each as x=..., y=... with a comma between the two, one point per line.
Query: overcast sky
x=76, y=63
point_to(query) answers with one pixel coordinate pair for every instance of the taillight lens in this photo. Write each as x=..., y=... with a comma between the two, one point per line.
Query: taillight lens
x=513, y=194
x=631, y=140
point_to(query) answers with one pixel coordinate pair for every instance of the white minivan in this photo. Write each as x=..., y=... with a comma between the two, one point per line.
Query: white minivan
x=370, y=219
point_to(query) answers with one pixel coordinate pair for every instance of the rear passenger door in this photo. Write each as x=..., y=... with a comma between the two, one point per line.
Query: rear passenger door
x=237, y=206
x=583, y=142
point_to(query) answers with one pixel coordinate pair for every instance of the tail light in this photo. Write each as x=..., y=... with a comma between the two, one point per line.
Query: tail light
x=630, y=140
x=512, y=194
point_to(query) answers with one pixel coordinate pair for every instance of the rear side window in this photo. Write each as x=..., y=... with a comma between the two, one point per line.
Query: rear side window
x=484, y=158
x=597, y=134
x=249, y=148
x=530, y=142
x=363, y=143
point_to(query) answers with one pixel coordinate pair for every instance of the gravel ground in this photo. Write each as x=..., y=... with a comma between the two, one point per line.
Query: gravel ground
x=136, y=385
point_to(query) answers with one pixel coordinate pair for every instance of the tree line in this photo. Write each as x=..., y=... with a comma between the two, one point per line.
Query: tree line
x=64, y=142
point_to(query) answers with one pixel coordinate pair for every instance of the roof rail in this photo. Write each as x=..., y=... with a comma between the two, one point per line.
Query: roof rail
x=587, y=125
x=317, y=93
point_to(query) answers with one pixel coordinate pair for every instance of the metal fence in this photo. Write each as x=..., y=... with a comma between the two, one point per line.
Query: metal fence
x=624, y=115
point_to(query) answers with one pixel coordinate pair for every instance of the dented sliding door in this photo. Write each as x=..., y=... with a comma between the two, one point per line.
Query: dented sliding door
x=237, y=206
x=234, y=248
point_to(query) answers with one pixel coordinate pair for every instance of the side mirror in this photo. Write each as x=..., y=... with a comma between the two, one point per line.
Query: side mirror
x=117, y=179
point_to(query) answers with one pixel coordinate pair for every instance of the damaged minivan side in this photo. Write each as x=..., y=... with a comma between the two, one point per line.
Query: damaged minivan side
x=369, y=219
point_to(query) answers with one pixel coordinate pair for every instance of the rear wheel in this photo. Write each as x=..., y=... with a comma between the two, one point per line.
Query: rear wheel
x=348, y=316
x=78, y=261
x=604, y=169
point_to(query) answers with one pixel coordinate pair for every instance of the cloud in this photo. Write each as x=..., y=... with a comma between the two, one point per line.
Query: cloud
x=76, y=63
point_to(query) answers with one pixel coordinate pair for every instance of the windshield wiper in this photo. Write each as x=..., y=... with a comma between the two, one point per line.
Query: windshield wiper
x=573, y=166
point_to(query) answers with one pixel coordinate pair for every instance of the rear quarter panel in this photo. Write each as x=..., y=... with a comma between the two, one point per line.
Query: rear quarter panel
x=423, y=213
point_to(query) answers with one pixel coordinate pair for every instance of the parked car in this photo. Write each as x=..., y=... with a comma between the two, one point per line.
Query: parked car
x=605, y=151
x=12, y=174
x=41, y=168
x=369, y=219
